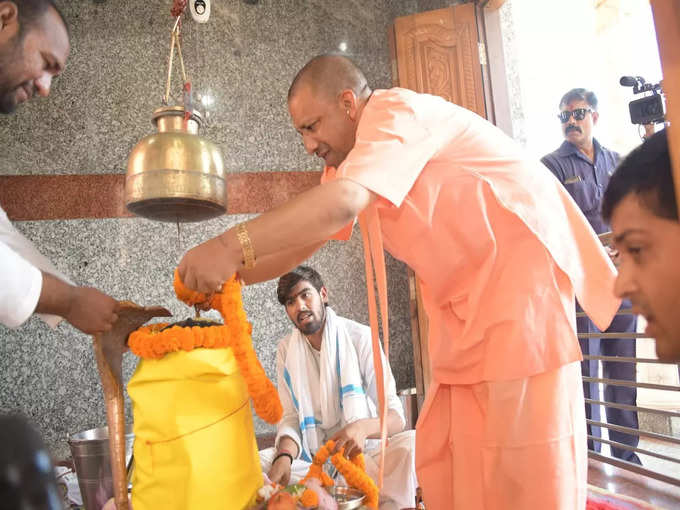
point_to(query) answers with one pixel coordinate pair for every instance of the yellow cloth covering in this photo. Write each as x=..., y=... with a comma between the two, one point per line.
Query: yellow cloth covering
x=195, y=444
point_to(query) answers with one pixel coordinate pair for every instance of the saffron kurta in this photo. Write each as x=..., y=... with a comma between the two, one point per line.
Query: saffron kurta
x=500, y=249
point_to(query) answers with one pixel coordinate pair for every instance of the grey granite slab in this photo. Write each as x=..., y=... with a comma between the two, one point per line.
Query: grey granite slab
x=244, y=58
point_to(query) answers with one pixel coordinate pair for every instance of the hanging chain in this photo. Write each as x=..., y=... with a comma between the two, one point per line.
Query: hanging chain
x=176, y=11
x=174, y=41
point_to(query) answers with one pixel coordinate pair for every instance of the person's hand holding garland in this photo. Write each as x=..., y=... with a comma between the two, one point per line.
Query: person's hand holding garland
x=154, y=342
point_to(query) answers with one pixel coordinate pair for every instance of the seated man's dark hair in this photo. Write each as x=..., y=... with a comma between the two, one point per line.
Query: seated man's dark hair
x=646, y=171
x=290, y=280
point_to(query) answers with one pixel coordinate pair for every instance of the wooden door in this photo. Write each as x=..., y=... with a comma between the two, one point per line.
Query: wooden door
x=437, y=52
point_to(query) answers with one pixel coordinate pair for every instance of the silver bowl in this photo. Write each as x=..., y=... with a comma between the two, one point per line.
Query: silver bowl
x=347, y=497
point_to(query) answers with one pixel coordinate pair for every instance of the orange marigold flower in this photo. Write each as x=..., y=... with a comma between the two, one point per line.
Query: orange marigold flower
x=326, y=480
x=309, y=498
x=187, y=341
x=322, y=454
x=314, y=472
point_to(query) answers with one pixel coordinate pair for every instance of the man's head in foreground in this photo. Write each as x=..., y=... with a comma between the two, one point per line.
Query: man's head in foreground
x=34, y=46
x=641, y=206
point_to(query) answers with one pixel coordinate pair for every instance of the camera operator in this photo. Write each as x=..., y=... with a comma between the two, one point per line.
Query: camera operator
x=584, y=166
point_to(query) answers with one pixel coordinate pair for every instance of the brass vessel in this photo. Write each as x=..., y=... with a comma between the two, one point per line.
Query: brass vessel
x=175, y=174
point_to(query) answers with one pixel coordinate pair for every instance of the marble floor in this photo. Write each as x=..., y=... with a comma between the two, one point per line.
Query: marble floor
x=660, y=465
x=621, y=481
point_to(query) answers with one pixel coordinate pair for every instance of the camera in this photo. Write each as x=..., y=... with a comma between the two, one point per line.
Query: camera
x=649, y=109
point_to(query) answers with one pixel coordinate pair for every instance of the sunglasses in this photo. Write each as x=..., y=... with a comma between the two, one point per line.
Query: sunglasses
x=578, y=113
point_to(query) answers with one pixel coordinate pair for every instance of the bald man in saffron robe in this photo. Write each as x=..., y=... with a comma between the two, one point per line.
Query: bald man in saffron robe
x=500, y=250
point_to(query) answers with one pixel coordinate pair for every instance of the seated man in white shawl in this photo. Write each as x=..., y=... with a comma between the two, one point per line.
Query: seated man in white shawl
x=327, y=386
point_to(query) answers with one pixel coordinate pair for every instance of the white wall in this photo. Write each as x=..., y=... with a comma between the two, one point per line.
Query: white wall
x=556, y=45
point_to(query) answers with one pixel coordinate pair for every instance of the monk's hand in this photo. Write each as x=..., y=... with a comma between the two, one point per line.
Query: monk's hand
x=352, y=438
x=280, y=471
x=91, y=311
x=207, y=266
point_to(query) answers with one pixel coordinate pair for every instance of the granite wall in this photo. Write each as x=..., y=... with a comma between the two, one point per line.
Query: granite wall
x=243, y=60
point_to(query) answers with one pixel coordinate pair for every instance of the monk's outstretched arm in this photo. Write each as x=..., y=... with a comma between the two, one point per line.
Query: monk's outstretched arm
x=275, y=265
x=308, y=219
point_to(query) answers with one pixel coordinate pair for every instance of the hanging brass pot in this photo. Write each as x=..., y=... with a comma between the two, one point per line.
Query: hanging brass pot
x=175, y=174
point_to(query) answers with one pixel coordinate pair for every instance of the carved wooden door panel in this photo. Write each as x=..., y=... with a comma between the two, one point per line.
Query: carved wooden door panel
x=436, y=52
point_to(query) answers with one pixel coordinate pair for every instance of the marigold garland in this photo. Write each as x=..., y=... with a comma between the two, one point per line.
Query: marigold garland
x=322, y=454
x=359, y=461
x=354, y=472
x=316, y=469
x=149, y=342
x=357, y=478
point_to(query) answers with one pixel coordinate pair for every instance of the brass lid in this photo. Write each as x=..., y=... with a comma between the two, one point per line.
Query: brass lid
x=171, y=118
x=164, y=111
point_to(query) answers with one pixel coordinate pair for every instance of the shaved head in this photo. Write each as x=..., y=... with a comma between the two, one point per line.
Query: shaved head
x=325, y=102
x=328, y=76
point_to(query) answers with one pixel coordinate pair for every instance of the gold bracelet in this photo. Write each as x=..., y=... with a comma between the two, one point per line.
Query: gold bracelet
x=246, y=246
